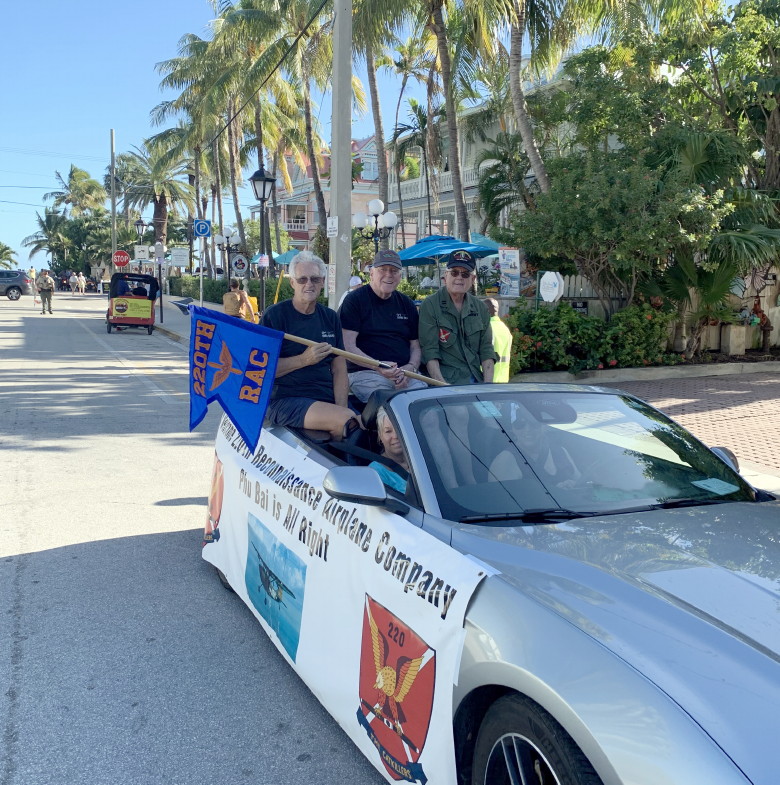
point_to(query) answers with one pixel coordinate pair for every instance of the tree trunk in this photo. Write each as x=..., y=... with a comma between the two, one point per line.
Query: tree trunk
x=160, y=218
x=427, y=188
x=232, y=144
x=315, y=172
x=518, y=97
x=258, y=131
x=379, y=131
x=397, y=161
x=276, y=209
x=436, y=23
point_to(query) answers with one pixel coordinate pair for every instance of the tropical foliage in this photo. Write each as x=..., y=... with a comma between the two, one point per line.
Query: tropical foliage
x=7, y=256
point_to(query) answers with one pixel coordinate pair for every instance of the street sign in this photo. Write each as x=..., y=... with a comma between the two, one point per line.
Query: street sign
x=551, y=287
x=333, y=226
x=180, y=257
x=240, y=264
x=201, y=228
x=263, y=260
x=120, y=258
x=141, y=252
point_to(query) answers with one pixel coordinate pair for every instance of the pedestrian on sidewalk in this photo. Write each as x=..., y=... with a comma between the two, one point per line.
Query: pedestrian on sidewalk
x=236, y=302
x=45, y=284
x=81, y=282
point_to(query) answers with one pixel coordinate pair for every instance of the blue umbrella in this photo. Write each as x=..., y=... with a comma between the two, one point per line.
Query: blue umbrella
x=287, y=256
x=282, y=258
x=438, y=247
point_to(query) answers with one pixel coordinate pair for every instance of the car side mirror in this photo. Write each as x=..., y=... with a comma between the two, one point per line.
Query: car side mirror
x=361, y=485
x=727, y=456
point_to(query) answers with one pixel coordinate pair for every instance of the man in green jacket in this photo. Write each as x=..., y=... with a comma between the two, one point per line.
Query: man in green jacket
x=455, y=334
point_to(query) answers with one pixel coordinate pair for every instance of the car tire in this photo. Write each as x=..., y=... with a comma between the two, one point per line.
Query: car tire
x=13, y=293
x=108, y=327
x=223, y=580
x=149, y=329
x=518, y=741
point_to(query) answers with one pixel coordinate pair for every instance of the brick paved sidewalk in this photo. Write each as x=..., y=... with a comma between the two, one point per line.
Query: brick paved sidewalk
x=738, y=412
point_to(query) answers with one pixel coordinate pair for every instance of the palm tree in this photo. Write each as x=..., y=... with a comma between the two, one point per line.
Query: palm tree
x=50, y=238
x=7, y=256
x=419, y=133
x=79, y=192
x=477, y=22
x=414, y=60
x=502, y=184
x=156, y=180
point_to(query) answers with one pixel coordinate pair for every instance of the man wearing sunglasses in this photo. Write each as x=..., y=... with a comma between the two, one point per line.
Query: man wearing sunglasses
x=455, y=334
x=311, y=385
x=381, y=323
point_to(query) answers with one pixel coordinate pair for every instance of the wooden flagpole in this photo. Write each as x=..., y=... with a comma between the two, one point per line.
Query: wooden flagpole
x=368, y=361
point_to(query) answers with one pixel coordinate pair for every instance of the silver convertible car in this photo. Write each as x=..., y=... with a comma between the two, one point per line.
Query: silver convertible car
x=622, y=621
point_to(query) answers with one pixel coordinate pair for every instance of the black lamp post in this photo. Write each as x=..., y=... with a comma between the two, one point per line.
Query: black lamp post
x=140, y=227
x=263, y=185
x=377, y=225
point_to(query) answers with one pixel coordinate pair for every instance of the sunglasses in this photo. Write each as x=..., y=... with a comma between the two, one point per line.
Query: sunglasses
x=315, y=279
x=460, y=273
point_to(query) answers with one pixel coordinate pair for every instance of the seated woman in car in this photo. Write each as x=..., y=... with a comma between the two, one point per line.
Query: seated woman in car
x=391, y=449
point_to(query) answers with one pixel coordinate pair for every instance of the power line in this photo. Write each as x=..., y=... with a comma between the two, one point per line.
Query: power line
x=50, y=154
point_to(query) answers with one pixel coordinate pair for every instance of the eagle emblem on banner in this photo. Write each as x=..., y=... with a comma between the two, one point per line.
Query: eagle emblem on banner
x=397, y=679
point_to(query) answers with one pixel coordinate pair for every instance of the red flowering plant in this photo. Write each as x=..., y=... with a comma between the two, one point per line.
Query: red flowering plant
x=637, y=335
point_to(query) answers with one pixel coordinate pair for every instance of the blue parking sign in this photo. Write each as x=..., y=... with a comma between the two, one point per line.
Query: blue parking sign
x=201, y=228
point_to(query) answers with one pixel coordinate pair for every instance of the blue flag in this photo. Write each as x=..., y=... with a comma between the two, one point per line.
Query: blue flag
x=234, y=362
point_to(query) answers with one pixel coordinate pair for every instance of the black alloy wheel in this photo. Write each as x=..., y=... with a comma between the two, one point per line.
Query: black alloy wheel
x=519, y=743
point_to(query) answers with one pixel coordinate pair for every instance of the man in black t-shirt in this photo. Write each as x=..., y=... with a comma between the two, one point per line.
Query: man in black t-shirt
x=381, y=323
x=311, y=384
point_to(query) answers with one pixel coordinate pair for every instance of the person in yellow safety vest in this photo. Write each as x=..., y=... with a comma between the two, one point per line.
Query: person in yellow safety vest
x=502, y=342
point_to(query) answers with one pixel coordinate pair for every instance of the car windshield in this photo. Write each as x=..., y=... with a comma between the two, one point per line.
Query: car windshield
x=549, y=455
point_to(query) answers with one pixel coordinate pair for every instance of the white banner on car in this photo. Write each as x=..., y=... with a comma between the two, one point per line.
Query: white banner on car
x=368, y=608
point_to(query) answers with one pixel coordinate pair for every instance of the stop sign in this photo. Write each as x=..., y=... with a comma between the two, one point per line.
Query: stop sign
x=120, y=258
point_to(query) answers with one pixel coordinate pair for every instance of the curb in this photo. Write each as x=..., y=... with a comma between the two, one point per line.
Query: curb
x=169, y=333
x=649, y=374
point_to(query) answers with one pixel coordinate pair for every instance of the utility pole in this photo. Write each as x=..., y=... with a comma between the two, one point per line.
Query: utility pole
x=341, y=148
x=113, y=195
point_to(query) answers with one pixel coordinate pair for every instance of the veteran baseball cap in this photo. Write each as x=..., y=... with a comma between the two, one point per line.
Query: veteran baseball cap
x=386, y=256
x=463, y=259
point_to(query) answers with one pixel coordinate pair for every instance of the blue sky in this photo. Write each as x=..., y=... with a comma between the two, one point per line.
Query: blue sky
x=73, y=71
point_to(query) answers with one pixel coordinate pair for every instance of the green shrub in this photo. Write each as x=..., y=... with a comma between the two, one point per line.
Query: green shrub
x=636, y=336
x=560, y=339
x=189, y=286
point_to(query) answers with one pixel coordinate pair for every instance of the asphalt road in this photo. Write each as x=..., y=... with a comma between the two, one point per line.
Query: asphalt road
x=122, y=658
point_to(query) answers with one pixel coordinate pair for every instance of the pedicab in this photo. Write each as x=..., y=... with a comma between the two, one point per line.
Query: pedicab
x=131, y=301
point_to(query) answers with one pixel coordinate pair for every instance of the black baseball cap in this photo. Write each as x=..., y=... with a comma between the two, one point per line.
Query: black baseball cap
x=386, y=256
x=462, y=258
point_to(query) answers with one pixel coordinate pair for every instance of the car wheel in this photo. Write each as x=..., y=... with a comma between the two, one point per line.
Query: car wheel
x=223, y=580
x=14, y=293
x=149, y=329
x=108, y=327
x=519, y=742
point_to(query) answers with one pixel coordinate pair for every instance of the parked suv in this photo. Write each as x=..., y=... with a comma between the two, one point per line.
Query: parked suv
x=15, y=283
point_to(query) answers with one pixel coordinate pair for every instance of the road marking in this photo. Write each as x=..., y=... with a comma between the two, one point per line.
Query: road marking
x=142, y=376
